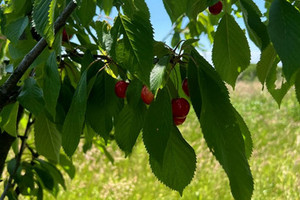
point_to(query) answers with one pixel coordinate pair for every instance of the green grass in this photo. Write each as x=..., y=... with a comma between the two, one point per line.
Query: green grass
x=275, y=162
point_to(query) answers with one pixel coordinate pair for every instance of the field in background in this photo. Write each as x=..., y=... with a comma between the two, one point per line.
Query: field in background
x=275, y=161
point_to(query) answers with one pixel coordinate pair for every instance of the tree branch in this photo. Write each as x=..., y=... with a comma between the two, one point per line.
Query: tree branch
x=18, y=158
x=9, y=86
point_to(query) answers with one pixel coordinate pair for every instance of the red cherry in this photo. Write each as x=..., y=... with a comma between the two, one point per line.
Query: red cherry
x=180, y=107
x=178, y=120
x=146, y=95
x=120, y=89
x=216, y=9
x=65, y=36
x=185, y=87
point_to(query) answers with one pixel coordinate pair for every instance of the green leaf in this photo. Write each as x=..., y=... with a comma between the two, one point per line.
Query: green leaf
x=138, y=45
x=175, y=8
x=187, y=43
x=8, y=119
x=43, y=19
x=74, y=121
x=129, y=122
x=246, y=134
x=297, y=87
x=158, y=125
x=221, y=126
x=45, y=177
x=67, y=165
x=31, y=96
x=103, y=104
x=15, y=29
x=107, y=6
x=47, y=138
x=158, y=73
x=277, y=92
x=194, y=7
x=231, y=53
x=179, y=162
x=128, y=125
x=267, y=60
x=256, y=28
x=55, y=173
x=86, y=11
x=284, y=31
x=104, y=35
x=51, y=83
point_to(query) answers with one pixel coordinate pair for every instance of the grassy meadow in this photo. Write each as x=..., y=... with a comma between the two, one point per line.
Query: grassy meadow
x=275, y=162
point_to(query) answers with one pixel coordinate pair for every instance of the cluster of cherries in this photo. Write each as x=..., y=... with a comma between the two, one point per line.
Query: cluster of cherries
x=180, y=106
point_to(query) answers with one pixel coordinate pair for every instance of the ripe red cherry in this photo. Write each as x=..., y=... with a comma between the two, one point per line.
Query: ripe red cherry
x=178, y=120
x=147, y=95
x=185, y=87
x=180, y=107
x=65, y=36
x=120, y=89
x=216, y=9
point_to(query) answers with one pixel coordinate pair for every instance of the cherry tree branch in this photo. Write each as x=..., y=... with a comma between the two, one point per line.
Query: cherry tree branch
x=8, y=88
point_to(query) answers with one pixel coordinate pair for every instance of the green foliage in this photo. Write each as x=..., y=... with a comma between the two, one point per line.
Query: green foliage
x=222, y=126
x=231, y=53
x=284, y=31
x=44, y=23
x=47, y=138
x=67, y=91
x=73, y=124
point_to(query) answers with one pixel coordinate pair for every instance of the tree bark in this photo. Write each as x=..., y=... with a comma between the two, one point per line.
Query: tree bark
x=6, y=141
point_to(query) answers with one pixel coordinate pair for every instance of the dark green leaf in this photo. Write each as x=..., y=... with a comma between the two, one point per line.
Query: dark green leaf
x=221, y=126
x=267, y=60
x=194, y=7
x=47, y=138
x=297, y=87
x=104, y=35
x=175, y=8
x=43, y=18
x=107, y=6
x=15, y=29
x=138, y=45
x=103, y=104
x=31, y=96
x=51, y=83
x=74, y=121
x=284, y=31
x=55, y=173
x=179, y=162
x=86, y=11
x=158, y=73
x=67, y=165
x=158, y=125
x=277, y=92
x=8, y=119
x=231, y=53
x=246, y=134
x=161, y=49
x=129, y=122
x=186, y=44
x=128, y=125
x=45, y=178
x=257, y=30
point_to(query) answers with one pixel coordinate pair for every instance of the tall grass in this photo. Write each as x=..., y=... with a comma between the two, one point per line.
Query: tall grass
x=275, y=162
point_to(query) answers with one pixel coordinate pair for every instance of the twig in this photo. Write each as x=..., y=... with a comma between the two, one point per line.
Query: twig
x=18, y=159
